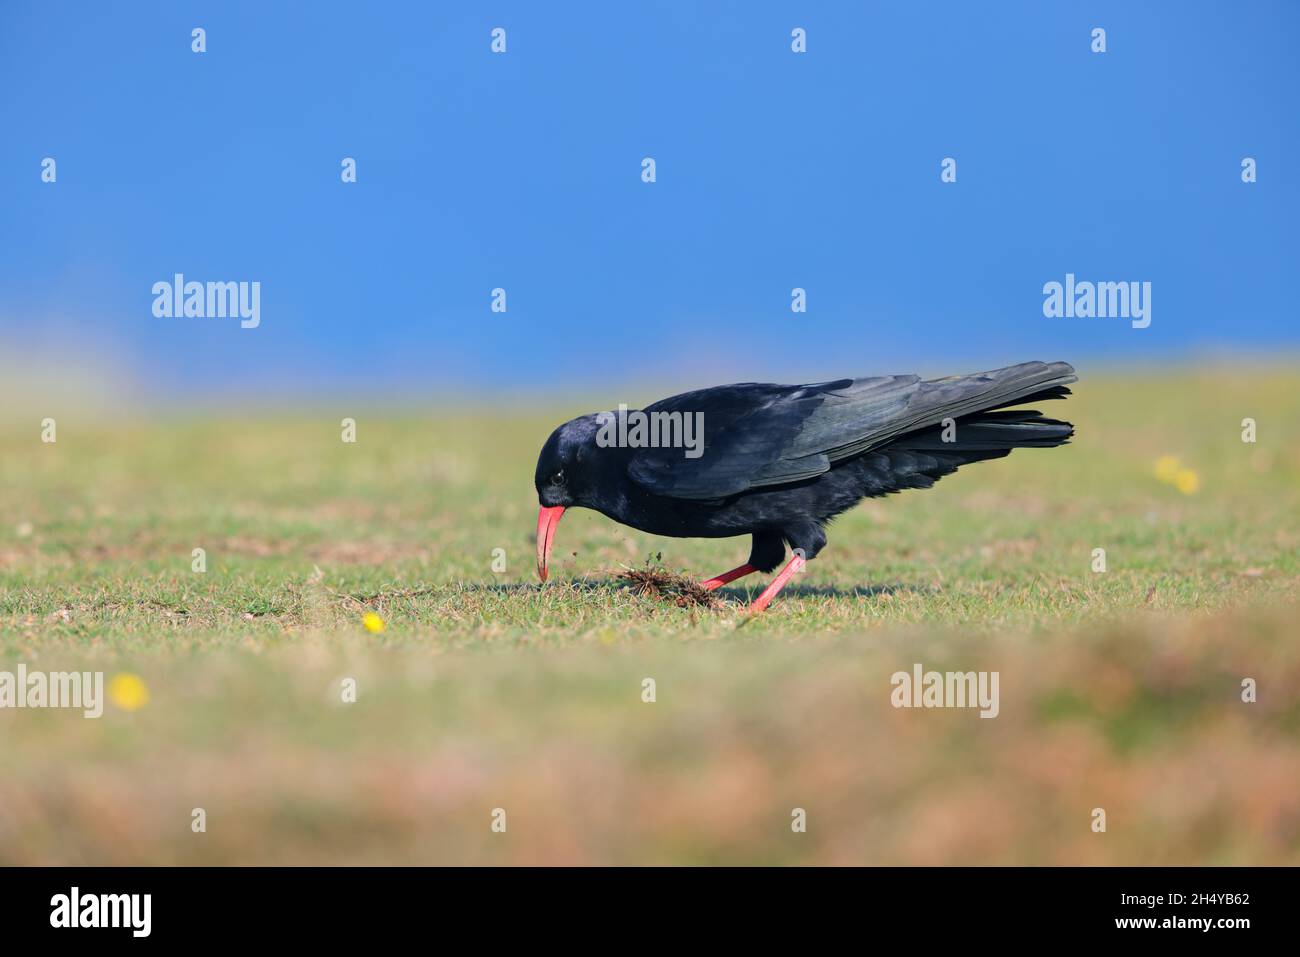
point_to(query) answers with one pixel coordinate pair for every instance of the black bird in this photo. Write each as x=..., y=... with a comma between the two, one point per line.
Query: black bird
x=780, y=461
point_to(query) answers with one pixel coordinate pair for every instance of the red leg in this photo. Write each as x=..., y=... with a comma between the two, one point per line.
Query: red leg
x=762, y=601
x=730, y=576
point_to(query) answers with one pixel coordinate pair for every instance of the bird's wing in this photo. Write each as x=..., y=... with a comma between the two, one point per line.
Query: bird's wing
x=757, y=434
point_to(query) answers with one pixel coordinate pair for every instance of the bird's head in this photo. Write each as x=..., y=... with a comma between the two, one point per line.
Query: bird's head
x=566, y=476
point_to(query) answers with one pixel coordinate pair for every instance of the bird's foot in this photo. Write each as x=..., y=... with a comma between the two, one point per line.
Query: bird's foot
x=792, y=567
x=731, y=576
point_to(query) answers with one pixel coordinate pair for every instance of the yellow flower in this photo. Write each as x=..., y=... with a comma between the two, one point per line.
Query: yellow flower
x=128, y=692
x=1187, y=481
x=372, y=623
x=1167, y=468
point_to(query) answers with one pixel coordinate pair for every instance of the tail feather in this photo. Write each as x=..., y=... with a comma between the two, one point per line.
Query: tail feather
x=963, y=397
x=1055, y=392
x=991, y=431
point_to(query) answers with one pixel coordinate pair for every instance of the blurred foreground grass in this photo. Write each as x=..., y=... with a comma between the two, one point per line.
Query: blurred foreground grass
x=1119, y=690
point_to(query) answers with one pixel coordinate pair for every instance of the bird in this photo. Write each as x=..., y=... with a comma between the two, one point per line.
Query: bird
x=779, y=462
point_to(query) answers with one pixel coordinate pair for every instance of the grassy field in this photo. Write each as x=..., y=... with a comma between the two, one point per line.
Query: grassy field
x=1120, y=690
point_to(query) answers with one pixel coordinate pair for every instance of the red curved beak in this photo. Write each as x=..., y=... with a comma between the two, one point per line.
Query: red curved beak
x=547, y=519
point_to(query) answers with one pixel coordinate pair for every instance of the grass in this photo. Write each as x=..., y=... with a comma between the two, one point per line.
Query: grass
x=1120, y=689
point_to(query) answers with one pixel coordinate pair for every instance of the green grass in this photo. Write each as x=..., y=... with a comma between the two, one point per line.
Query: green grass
x=487, y=689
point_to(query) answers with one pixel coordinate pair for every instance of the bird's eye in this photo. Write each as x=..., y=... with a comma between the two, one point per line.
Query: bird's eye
x=558, y=478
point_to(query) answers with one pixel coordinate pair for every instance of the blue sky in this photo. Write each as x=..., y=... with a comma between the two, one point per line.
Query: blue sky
x=522, y=170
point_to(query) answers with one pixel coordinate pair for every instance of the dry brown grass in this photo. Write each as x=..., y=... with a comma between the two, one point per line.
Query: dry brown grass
x=680, y=590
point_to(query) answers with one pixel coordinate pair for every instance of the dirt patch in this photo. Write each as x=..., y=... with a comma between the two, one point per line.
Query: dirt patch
x=680, y=590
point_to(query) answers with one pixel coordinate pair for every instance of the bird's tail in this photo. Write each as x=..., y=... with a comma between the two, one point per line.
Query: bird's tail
x=991, y=434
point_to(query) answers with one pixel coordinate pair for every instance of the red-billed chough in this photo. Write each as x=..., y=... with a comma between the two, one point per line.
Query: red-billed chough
x=780, y=461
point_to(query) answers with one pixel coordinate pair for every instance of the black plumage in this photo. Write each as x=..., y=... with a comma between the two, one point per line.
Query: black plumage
x=779, y=462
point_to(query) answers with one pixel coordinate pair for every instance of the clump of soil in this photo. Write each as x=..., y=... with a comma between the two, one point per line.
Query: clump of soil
x=682, y=591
